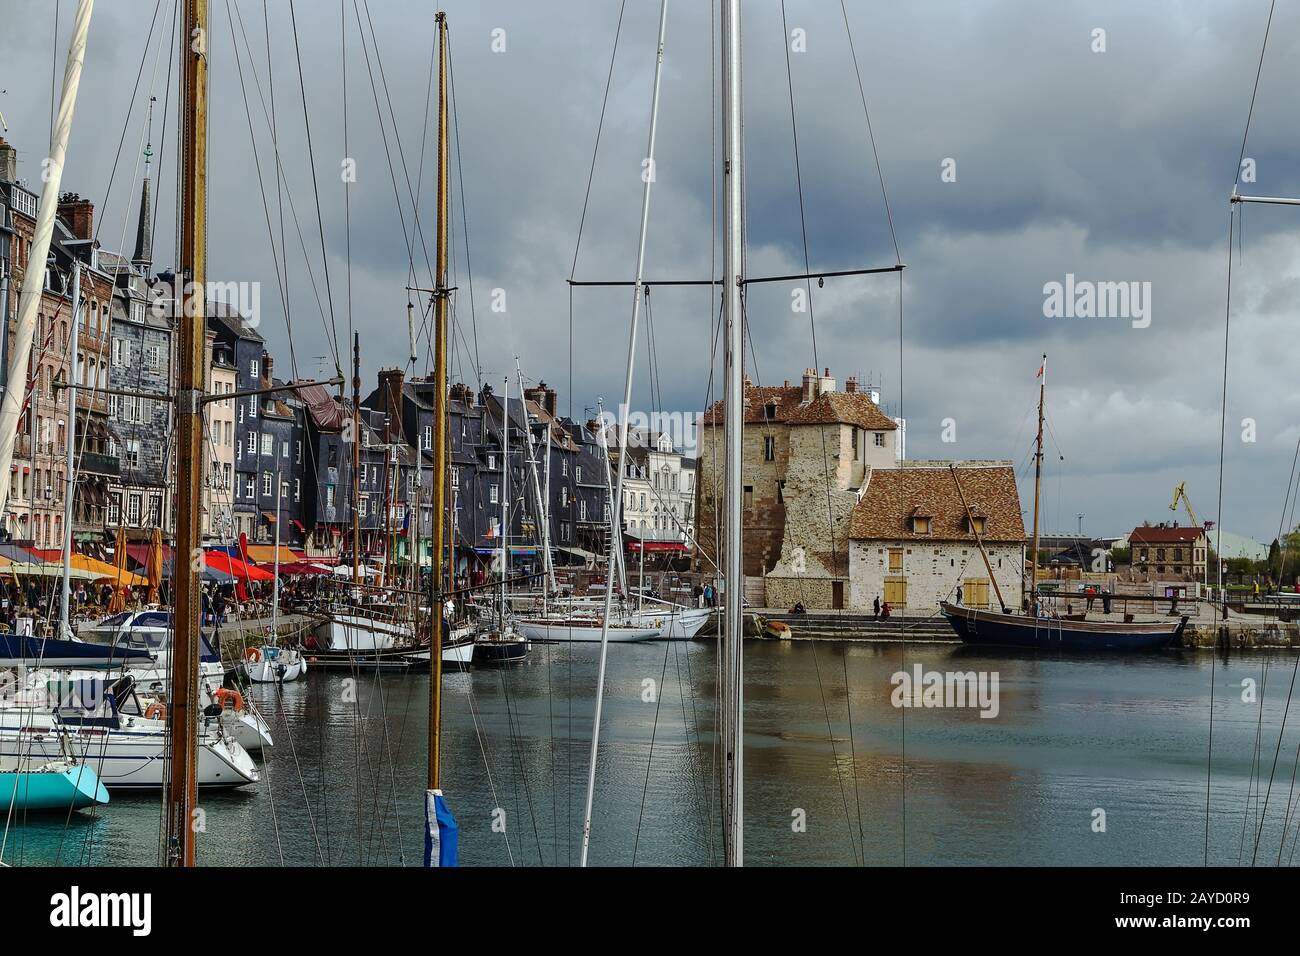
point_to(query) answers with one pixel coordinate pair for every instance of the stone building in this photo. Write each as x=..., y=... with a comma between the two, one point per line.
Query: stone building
x=246, y=347
x=1169, y=551
x=808, y=451
x=912, y=544
x=219, y=441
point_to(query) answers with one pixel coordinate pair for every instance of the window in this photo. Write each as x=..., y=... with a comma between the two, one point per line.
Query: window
x=252, y=368
x=132, y=455
x=284, y=490
x=895, y=560
x=329, y=496
x=225, y=476
x=297, y=458
x=577, y=472
x=582, y=510
x=297, y=489
x=363, y=505
x=268, y=444
x=252, y=406
x=115, y=508
x=266, y=482
x=492, y=462
x=493, y=494
x=880, y=439
x=252, y=443
x=250, y=486
x=749, y=497
x=133, y=509
x=769, y=448
x=428, y=437
x=921, y=524
x=455, y=477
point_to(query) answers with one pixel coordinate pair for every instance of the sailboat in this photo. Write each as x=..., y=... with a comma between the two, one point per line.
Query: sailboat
x=500, y=641
x=1038, y=628
x=270, y=663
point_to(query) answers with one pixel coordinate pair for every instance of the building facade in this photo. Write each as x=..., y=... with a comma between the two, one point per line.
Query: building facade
x=1168, y=550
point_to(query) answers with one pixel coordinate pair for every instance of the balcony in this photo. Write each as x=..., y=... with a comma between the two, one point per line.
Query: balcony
x=93, y=463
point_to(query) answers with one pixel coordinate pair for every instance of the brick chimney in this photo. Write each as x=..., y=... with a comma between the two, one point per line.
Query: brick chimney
x=851, y=384
x=268, y=369
x=78, y=214
x=810, y=384
x=8, y=162
x=391, y=381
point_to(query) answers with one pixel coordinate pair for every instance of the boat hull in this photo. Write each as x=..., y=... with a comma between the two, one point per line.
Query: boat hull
x=993, y=629
x=59, y=787
x=353, y=632
x=583, y=632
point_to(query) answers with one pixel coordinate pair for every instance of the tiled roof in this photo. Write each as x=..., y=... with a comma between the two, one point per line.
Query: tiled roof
x=893, y=494
x=849, y=408
x=757, y=398
x=1184, y=535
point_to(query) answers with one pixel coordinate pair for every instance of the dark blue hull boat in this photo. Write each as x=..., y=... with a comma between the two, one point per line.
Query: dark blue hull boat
x=994, y=629
x=19, y=650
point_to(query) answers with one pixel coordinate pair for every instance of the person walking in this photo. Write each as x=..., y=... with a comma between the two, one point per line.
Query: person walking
x=875, y=606
x=959, y=594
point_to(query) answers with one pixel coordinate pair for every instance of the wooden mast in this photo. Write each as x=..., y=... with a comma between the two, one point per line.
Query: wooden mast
x=439, y=425
x=979, y=540
x=182, y=711
x=1038, y=482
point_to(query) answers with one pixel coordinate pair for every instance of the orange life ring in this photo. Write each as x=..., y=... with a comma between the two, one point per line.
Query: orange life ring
x=235, y=698
x=253, y=654
x=156, y=712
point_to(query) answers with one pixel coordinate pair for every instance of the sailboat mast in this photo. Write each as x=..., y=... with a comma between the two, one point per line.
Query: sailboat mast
x=505, y=492
x=70, y=472
x=439, y=426
x=356, y=459
x=182, y=711
x=734, y=390
x=1038, y=482
x=29, y=296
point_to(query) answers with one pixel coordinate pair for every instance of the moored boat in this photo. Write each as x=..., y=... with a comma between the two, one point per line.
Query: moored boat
x=58, y=785
x=996, y=629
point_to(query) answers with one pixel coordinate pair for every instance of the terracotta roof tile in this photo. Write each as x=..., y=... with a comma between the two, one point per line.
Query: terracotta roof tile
x=893, y=494
x=849, y=408
x=1182, y=535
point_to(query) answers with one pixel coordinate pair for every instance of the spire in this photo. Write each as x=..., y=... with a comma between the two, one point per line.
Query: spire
x=143, y=256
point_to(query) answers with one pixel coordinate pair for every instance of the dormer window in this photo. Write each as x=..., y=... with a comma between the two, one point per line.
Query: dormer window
x=769, y=411
x=922, y=520
x=975, y=523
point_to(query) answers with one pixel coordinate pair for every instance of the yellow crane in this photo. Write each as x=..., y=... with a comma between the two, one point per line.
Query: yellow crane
x=1180, y=495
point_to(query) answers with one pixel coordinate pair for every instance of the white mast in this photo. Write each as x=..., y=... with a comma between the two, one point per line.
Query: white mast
x=29, y=298
x=648, y=177
x=733, y=698
x=70, y=470
x=505, y=493
x=543, y=511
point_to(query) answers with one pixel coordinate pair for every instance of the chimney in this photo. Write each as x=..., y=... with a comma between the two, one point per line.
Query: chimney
x=78, y=214
x=827, y=383
x=851, y=384
x=268, y=369
x=390, y=383
x=809, y=386
x=8, y=162
x=548, y=402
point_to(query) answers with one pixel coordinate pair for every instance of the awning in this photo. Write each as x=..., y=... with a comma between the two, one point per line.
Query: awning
x=265, y=554
x=297, y=524
x=294, y=568
x=269, y=516
x=651, y=546
x=233, y=566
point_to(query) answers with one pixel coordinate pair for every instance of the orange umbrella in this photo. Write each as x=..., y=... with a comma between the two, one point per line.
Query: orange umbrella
x=118, y=601
x=153, y=566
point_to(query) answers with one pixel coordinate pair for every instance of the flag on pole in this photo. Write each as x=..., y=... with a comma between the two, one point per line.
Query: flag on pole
x=441, y=834
x=1042, y=371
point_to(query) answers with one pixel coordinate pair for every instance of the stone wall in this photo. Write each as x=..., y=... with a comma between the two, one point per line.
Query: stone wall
x=765, y=517
x=932, y=571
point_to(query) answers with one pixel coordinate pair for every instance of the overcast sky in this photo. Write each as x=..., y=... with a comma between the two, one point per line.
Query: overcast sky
x=1111, y=166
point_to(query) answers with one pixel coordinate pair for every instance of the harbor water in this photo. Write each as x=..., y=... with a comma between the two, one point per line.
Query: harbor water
x=1088, y=760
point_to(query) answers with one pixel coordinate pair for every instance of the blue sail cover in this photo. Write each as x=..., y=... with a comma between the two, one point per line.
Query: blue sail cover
x=441, y=834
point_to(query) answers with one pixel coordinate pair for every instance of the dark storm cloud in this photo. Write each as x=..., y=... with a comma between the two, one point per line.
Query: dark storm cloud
x=1110, y=166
